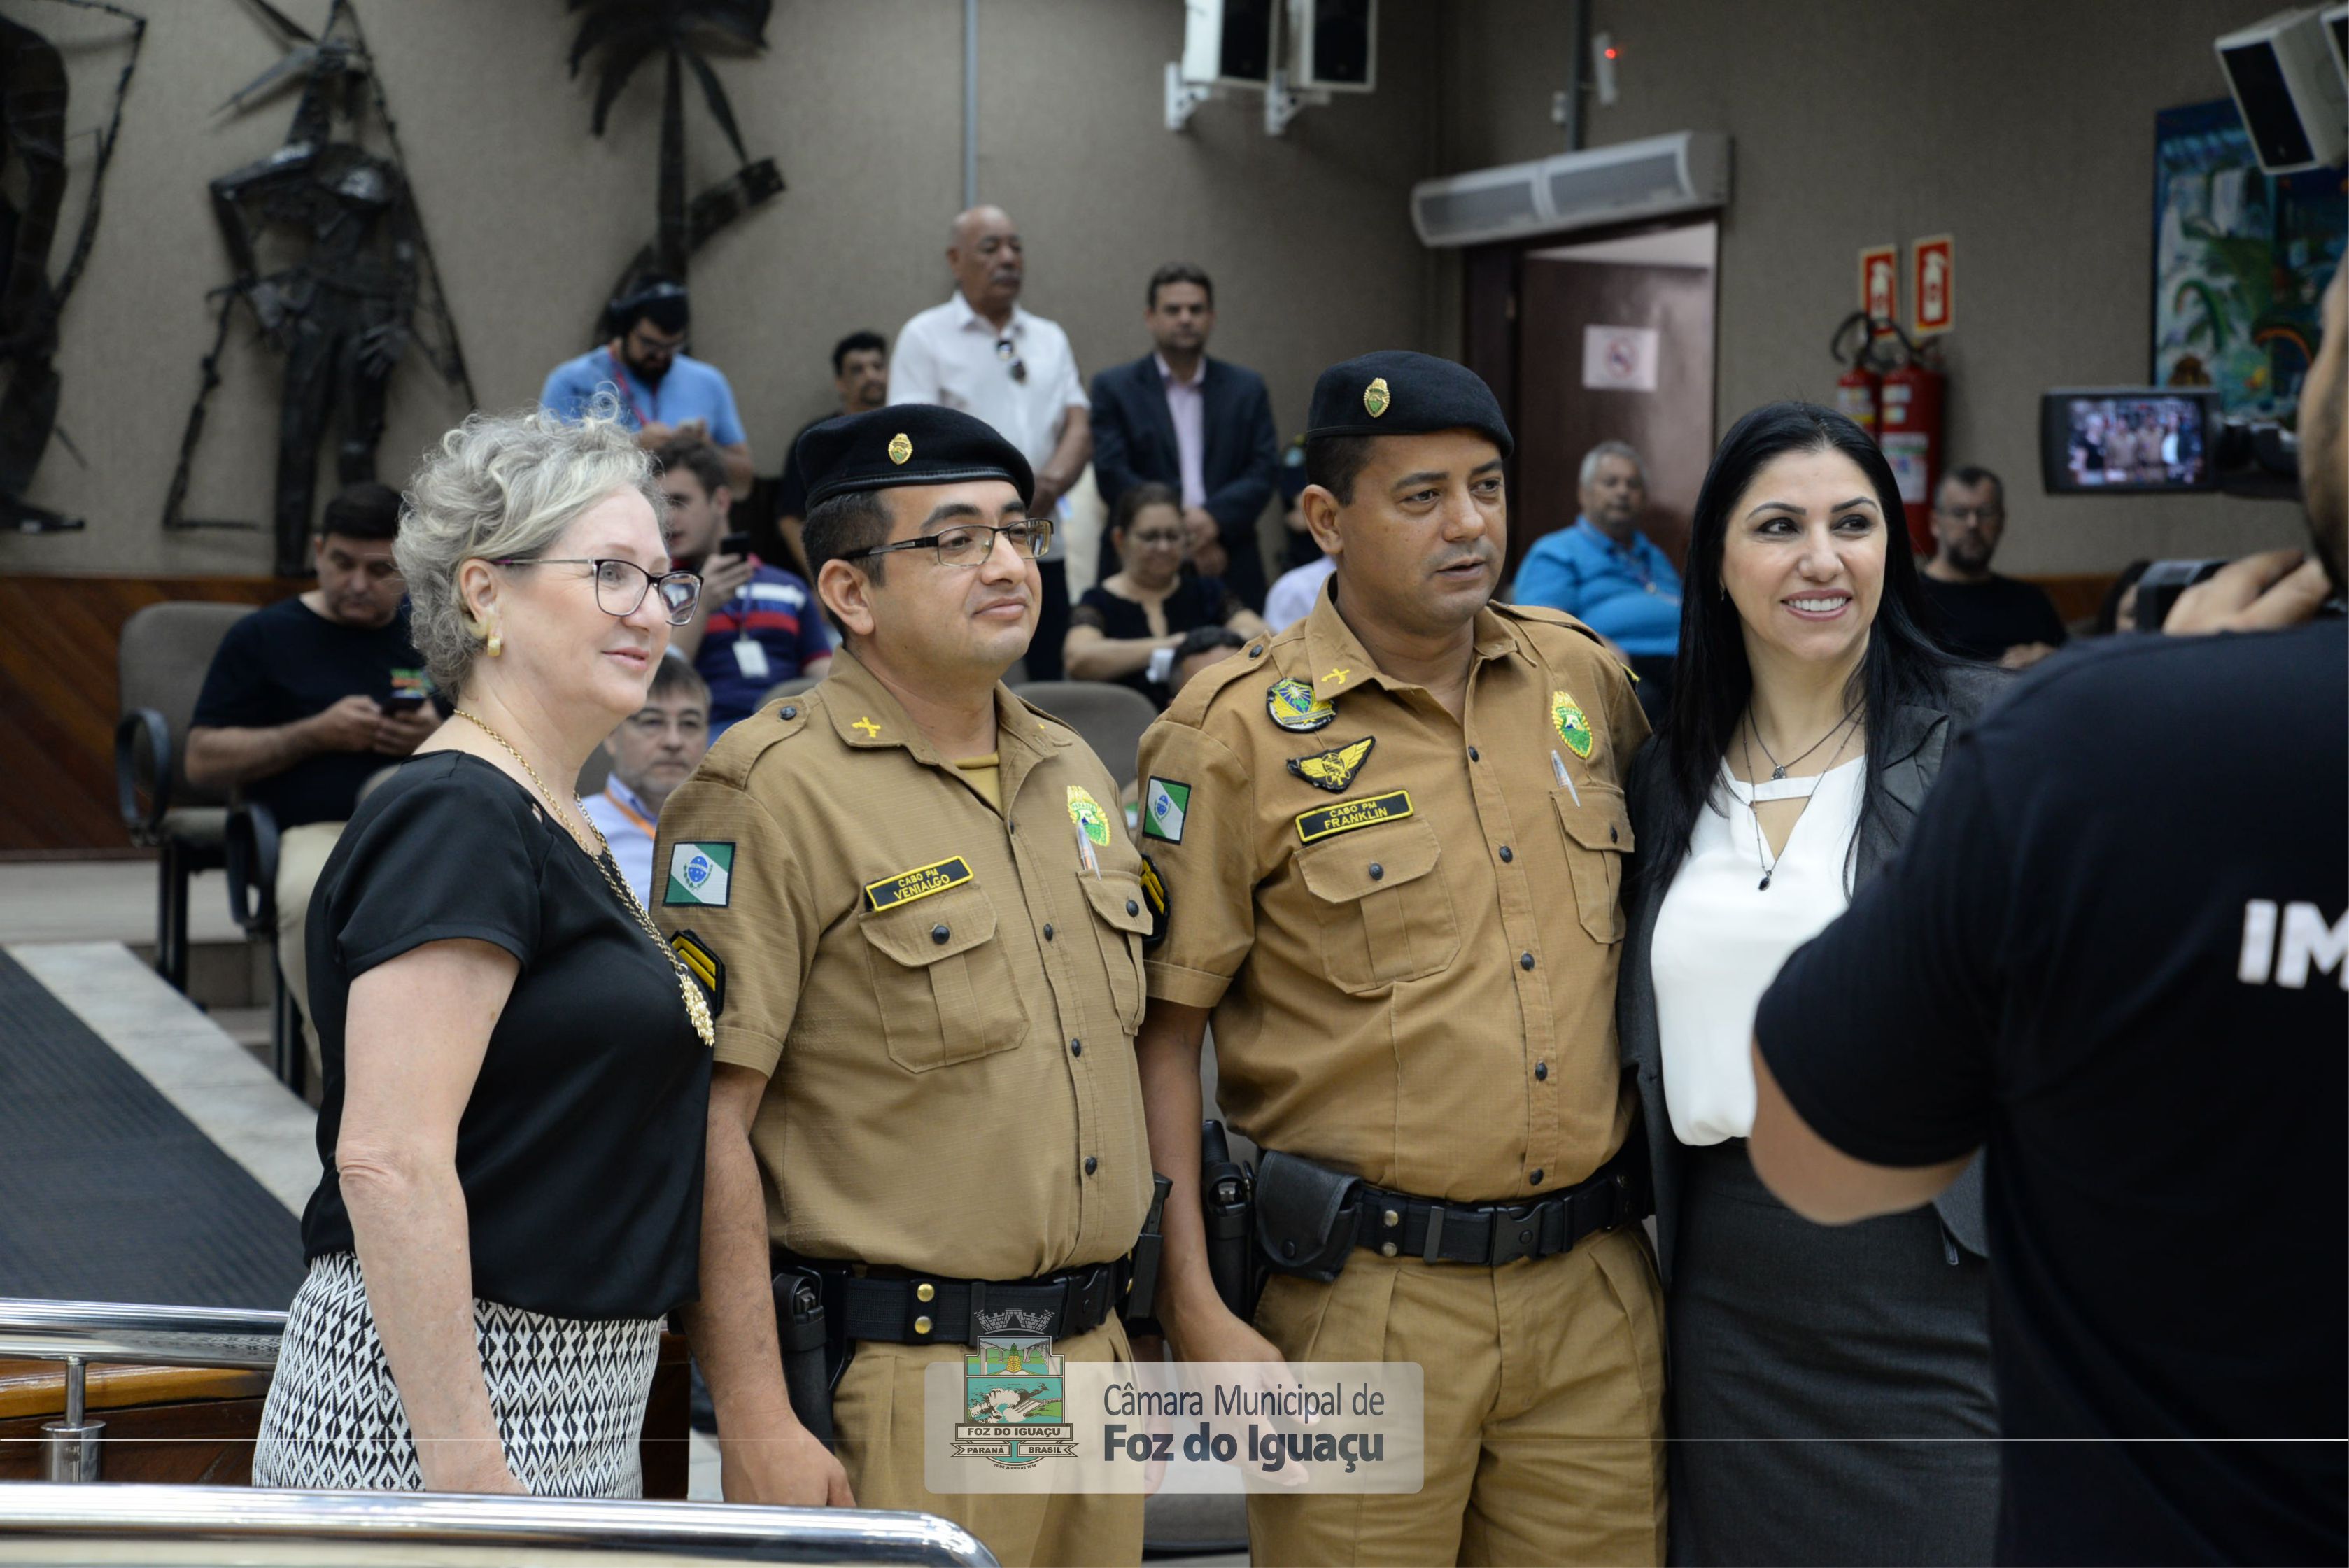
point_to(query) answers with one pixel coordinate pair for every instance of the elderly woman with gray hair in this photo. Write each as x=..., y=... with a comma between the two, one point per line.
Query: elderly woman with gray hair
x=517, y=1072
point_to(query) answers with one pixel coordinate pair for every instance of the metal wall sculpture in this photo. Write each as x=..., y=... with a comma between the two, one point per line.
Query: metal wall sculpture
x=627, y=33
x=33, y=136
x=361, y=287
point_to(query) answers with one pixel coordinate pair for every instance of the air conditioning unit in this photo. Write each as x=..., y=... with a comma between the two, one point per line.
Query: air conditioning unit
x=1684, y=172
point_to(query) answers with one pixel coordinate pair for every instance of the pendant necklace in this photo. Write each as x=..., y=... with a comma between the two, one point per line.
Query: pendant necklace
x=1769, y=864
x=696, y=1008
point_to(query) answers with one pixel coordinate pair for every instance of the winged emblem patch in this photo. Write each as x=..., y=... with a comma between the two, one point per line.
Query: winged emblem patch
x=1333, y=770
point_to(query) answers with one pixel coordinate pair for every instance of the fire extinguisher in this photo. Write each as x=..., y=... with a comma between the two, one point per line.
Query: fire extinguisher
x=1859, y=389
x=1910, y=434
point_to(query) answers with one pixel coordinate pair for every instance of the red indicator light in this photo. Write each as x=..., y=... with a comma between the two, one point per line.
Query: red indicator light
x=1610, y=54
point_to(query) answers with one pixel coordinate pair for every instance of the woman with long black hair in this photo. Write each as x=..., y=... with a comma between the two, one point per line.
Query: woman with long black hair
x=1832, y=1392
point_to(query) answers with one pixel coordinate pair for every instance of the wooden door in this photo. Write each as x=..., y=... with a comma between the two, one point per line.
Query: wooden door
x=1559, y=417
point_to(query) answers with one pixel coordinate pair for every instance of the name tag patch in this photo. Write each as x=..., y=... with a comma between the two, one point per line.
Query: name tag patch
x=1328, y=822
x=919, y=882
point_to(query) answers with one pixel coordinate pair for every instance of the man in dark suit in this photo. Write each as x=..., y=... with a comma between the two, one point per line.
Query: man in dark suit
x=1197, y=425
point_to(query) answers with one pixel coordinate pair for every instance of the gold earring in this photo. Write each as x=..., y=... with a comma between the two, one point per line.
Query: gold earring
x=495, y=644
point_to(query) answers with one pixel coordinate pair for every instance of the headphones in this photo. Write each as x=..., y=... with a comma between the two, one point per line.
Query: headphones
x=664, y=304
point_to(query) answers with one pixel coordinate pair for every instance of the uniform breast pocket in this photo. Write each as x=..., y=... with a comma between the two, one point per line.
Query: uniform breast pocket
x=1385, y=915
x=1120, y=920
x=1598, y=830
x=942, y=982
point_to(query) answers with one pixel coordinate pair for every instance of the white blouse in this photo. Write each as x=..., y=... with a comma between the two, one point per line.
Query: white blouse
x=1721, y=937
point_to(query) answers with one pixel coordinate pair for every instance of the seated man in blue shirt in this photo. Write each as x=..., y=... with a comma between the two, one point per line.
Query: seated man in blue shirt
x=653, y=751
x=1605, y=573
x=663, y=391
x=757, y=625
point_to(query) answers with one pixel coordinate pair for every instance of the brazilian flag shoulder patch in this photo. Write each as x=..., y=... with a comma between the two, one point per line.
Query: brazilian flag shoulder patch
x=700, y=872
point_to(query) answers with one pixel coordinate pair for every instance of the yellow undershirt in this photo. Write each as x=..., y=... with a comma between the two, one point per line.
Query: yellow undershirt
x=986, y=776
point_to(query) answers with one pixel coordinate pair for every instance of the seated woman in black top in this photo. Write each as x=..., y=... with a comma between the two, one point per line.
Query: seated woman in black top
x=517, y=1067
x=1126, y=628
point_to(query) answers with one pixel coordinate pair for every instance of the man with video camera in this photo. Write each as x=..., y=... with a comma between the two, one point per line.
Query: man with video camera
x=2115, y=955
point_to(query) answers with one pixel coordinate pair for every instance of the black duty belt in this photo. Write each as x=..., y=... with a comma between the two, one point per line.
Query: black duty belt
x=1398, y=1224
x=922, y=1309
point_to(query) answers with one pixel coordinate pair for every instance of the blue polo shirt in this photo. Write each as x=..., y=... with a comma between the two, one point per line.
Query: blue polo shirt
x=1629, y=593
x=692, y=390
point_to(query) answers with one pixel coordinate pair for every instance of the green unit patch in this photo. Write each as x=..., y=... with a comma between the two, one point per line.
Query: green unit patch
x=1328, y=822
x=1165, y=802
x=700, y=872
x=919, y=882
x=1293, y=706
x=1573, y=727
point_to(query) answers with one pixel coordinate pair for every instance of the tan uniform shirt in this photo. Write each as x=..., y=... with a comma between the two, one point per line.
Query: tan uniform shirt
x=1413, y=973
x=943, y=997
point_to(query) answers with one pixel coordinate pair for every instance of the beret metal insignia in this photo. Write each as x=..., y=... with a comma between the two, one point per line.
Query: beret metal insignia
x=1293, y=706
x=901, y=446
x=1375, y=397
x=1573, y=727
x=1333, y=770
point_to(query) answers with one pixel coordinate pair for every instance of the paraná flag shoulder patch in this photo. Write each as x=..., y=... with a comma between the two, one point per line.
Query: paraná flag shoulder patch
x=700, y=872
x=1165, y=803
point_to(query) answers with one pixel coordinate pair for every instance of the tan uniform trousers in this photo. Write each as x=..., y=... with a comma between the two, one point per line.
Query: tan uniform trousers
x=301, y=855
x=877, y=1414
x=1545, y=1384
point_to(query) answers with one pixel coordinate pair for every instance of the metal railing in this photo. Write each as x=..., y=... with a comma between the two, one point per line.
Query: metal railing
x=207, y=1524
x=79, y=1332
x=66, y=1523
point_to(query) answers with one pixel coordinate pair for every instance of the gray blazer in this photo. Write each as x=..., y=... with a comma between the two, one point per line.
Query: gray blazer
x=1908, y=753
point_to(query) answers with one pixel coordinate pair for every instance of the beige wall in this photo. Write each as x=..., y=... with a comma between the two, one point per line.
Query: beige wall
x=859, y=101
x=2022, y=127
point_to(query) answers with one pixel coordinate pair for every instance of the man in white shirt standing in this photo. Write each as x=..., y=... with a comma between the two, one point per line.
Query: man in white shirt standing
x=982, y=354
x=652, y=752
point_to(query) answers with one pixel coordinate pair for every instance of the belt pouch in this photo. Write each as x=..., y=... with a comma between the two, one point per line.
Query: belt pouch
x=1298, y=1208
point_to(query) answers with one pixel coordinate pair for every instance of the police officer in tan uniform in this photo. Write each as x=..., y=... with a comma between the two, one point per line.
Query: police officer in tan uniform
x=1393, y=839
x=915, y=899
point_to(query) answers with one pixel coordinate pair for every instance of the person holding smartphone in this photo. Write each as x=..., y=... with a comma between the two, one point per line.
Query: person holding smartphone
x=309, y=698
x=757, y=625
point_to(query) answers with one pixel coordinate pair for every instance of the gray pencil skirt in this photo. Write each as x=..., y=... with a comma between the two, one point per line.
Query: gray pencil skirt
x=1832, y=1400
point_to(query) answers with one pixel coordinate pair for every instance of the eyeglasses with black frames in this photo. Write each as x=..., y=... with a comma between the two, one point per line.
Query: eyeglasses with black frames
x=621, y=585
x=970, y=543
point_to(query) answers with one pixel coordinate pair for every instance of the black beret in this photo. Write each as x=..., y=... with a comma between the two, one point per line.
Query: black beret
x=1395, y=392
x=906, y=444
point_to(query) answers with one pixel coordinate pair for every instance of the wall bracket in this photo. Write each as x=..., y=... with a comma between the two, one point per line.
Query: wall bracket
x=1283, y=103
x=1183, y=99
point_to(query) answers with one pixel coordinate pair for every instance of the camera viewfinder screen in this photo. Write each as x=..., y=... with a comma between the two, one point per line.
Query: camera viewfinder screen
x=2136, y=442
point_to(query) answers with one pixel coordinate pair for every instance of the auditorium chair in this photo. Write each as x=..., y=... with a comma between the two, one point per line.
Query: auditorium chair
x=249, y=847
x=165, y=652
x=1111, y=718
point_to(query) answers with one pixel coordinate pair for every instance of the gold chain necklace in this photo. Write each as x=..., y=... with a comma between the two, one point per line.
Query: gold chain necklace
x=697, y=1006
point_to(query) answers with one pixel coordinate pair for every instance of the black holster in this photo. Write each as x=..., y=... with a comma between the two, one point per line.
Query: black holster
x=1139, y=1302
x=813, y=1355
x=1226, y=1202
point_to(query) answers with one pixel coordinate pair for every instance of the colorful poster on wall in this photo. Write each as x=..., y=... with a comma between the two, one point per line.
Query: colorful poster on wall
x=2239, y=261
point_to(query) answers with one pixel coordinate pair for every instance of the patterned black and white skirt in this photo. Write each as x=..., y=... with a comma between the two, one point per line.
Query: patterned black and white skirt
x=569, y=1395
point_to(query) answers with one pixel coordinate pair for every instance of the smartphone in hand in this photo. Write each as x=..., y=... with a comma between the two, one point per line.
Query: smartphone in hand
x=735, y=545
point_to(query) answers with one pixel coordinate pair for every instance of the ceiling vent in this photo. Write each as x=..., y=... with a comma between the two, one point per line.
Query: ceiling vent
x=1686, y=171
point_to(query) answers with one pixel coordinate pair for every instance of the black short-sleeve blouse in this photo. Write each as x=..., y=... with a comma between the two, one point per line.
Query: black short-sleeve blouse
x=580, y=1151
x=1195, y=602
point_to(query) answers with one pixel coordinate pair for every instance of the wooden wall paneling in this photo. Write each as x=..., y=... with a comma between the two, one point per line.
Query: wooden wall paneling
x=58, y=697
